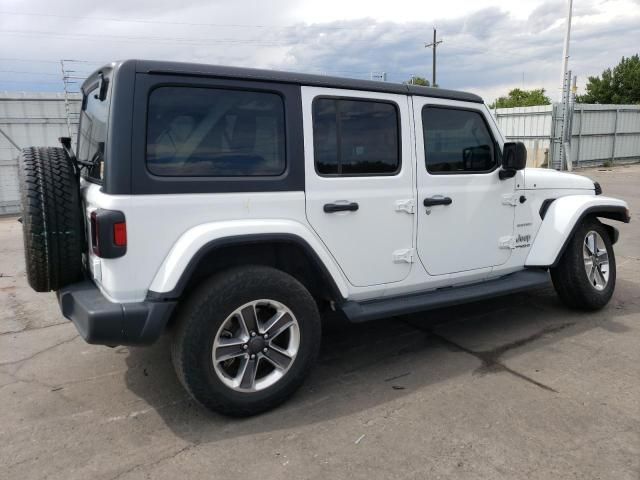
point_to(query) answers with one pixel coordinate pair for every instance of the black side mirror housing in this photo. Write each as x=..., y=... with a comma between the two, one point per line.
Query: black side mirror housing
x=514, y=158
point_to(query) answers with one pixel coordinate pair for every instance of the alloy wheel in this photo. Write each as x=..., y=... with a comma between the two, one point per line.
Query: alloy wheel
x=596, y=260
x=256, y=345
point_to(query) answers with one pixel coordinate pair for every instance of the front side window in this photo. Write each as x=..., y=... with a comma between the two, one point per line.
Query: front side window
x=355, y=137
x=457, y=141
x=215, y=132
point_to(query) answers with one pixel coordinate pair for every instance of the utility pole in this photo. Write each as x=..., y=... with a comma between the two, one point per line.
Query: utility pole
x=567, y=38
x=433, y=45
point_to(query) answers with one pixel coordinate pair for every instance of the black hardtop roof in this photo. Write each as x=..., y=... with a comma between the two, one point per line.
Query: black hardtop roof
x=180, y=68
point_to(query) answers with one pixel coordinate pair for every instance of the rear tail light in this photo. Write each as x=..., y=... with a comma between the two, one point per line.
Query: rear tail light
x=120, y=234
x=108, y=233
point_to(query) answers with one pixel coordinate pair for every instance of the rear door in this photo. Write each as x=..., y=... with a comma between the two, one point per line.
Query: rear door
x=465, y=214
x=359, y=181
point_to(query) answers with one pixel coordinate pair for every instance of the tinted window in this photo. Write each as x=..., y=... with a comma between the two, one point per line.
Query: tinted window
x=355, y=137
x=93, y=132
x=215, y=132
x=456, y=141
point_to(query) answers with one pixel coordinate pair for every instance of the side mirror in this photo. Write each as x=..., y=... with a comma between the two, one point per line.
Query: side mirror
x=514, y=158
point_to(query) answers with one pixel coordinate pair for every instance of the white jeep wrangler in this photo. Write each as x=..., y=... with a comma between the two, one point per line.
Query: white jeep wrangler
x=233, y=207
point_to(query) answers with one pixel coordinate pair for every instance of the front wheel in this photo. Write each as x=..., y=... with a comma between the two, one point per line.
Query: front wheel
x=585, y=276
x=246, y=339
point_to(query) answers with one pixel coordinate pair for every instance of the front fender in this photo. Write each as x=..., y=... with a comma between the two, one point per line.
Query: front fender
x=562, y=218
x=197, y=238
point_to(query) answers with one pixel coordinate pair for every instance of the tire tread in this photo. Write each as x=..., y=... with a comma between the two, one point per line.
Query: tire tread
x=193, y=322
x=53, y=233
x=569, y=276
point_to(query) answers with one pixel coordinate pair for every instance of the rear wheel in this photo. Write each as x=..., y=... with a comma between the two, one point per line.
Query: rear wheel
x=51, y=218
x=246, y=339
x=585, y=277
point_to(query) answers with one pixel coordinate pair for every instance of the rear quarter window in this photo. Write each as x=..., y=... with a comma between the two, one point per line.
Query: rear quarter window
x=92, y=137
x=215, y=132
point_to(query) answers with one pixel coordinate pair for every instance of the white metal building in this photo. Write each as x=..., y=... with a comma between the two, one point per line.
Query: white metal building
x=30, y=119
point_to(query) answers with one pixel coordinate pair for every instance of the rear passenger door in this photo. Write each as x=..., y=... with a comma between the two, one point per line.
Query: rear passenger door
x=359, y=181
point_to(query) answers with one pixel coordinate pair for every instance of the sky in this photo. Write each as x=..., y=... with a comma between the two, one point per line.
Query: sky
x=488, y=46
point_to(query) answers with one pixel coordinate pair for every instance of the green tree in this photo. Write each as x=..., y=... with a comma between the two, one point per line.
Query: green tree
x=522, y=98
x=418, y=81
x=620, y=85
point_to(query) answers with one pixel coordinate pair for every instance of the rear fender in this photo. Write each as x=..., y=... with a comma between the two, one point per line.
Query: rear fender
x=562, y=218
x=190, y=246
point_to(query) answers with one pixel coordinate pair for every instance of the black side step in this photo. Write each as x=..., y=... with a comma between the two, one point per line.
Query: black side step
x=444, y=297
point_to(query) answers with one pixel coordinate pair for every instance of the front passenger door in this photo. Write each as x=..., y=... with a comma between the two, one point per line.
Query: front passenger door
x=464, y=210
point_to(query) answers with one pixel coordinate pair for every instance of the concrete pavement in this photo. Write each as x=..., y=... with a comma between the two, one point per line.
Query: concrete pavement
x=513, y=388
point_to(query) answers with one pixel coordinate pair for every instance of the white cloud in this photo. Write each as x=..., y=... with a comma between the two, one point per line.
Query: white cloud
x=488, y=44
x=407, y=11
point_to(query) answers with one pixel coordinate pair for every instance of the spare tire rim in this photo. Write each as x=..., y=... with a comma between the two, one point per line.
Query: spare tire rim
x=596, y=260
x=256, y=345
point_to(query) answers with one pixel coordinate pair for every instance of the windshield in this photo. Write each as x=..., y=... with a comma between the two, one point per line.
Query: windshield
x=93, y=131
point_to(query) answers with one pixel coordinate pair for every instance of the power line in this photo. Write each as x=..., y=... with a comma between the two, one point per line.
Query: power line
x=37, y=60
x=35, y=82
x=127, y=38
x=190, y=24
x=28, y=73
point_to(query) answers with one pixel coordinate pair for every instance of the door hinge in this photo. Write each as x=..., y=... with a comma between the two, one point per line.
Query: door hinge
x=403, y=256
x=507, y=242
x=408, y=206
x=511, y=199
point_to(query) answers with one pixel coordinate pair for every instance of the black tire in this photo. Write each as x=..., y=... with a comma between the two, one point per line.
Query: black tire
x=51, y=218
x=202, y=315
x=570, y=276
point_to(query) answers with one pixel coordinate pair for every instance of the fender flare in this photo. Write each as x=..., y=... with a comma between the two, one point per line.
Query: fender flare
x=561, y=219
x=185, y=255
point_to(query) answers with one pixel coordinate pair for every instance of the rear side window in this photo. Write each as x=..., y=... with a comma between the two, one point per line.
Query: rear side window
x=355, y=137
x=214, y=132
x=93, y=131
x=457, y=141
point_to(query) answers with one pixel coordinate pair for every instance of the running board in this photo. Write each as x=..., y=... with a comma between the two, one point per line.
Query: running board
x=444, y=297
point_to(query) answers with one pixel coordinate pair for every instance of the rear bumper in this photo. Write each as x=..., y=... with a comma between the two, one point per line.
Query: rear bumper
x=102, y=322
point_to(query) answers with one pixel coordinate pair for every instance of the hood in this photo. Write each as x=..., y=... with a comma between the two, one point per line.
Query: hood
x=543, y=178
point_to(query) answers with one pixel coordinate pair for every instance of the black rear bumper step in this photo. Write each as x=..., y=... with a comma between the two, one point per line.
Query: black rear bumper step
x=445, y=297
x=102, y=322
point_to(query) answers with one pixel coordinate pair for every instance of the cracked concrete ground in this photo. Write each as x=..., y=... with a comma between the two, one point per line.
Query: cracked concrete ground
x=511, y=388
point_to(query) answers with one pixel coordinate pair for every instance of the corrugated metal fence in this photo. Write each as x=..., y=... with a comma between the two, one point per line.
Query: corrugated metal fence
x=600, y=134
x=28, y=119
x=530, y=125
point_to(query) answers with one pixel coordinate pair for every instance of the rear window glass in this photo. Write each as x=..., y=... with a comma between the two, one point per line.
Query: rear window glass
x=195, y=131
x=355, y=137
x=93, y=132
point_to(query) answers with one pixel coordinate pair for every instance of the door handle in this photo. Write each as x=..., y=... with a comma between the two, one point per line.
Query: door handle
x=431, y=201
x=340, y=207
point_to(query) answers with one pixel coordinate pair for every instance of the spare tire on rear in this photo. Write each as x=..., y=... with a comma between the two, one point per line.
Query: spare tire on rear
x=52, y=222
